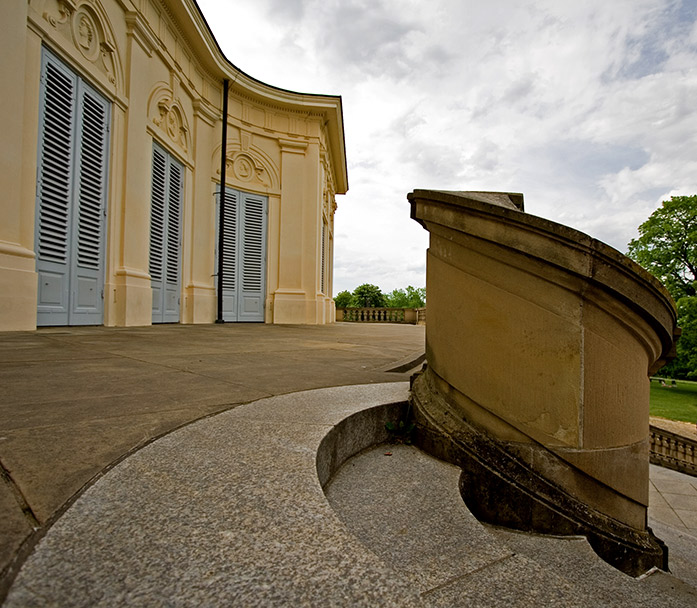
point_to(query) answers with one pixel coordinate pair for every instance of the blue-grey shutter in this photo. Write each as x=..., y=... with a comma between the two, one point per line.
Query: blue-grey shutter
x=252, y=286
x=230, y=256
x=175, y=184
x=323, y=260
x=244, y=256
x=89, y=224
x=54, y=191
x=157, y=232
x=72, y=194
x=165, y=235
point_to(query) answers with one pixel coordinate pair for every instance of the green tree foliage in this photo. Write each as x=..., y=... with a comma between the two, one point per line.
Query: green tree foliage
x=411, y=297
x=343, y=299
x=667, y=247
x=684, y=366
x=368, y=296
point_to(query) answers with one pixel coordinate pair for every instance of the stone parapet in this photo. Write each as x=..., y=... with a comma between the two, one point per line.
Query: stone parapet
x=542, y=339
x=673, y=451
x=412, y=316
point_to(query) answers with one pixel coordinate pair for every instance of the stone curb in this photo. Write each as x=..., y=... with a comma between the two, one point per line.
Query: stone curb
x=226, y=511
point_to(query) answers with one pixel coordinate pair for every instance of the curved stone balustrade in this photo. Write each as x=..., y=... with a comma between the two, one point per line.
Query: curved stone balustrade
x=380, y=315
x=673, y=451
x=539, y=345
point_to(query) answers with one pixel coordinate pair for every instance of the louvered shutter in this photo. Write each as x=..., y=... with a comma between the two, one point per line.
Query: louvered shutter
x=157, y=232
x=230, y=255
x=323, y=260
x=173, y=241
x=71, y=198
x=244, y=256
x=165, y=235
x=88, y=236
x=252, y=249
x=55, y=186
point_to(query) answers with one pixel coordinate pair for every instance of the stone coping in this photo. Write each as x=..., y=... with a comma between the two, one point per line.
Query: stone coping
x=226, y=511
x=495, y=220
x=688, y=430
x=673, y=444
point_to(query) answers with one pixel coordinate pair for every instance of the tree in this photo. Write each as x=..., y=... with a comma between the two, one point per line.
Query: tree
x=343, y=299
x=667, y=245
x=667, y=248
x=368, y=296
x=685, y=364
x=411, y=297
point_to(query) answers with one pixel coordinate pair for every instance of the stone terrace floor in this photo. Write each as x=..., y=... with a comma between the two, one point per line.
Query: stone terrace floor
x=74, y=402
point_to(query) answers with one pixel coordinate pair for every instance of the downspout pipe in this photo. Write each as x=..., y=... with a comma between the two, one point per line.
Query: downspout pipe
x=221, y=216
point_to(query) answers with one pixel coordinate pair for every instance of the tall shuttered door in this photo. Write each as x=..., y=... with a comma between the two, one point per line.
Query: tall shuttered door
x=230, y=262
x=165, y=239
x=71, y=198
x=244, y=256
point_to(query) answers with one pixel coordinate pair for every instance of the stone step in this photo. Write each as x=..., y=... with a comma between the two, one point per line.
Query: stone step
x=405, y=506
x=232, y=511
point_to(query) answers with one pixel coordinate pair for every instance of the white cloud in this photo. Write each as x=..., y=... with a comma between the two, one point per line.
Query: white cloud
x=585, y=107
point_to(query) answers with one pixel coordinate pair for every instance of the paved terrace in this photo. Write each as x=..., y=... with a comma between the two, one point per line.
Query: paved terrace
x=230, y=510
x=74, y=401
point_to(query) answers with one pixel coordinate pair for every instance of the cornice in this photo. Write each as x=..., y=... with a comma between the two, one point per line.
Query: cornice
x=141, y=32
x=293, y=146
x=206, y=111
x=198, y=40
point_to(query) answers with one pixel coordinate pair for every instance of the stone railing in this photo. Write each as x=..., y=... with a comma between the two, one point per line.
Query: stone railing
x=673, y=451
x=539, y=343
x=411, y=316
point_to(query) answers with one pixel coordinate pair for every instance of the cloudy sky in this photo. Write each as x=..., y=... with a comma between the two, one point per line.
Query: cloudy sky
x=588, y=108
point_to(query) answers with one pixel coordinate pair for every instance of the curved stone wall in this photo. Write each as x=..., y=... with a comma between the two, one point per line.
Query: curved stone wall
x=541, y=339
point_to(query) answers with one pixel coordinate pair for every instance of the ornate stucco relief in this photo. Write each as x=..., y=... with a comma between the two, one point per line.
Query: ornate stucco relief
x=166, y=113
x=328, y=189
x=86, y=25
x=249, y=167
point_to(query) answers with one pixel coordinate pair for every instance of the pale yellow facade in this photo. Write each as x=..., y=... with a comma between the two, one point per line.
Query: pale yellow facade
x=157, y=71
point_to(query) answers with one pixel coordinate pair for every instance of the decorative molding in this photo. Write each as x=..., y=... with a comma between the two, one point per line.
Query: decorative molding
x=245, y=169
x=166, y=113
x=65, y=9
x=86, y=35
x=250, y=166
x=328, y=190
x=293, y=146
x=15, y=249
x=86, y=25
x=205, y=111
x=134, y=273
x=140, y=31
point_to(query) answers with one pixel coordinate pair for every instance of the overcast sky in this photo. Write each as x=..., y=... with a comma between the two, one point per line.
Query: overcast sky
x=589, y=108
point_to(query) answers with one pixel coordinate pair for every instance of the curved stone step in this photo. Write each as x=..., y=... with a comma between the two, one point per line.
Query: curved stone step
x=405, y=506
x=230, y=511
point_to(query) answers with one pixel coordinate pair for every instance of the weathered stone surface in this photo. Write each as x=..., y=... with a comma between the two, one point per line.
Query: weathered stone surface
x=227, y=511
x=75, y=400
x=542, y=338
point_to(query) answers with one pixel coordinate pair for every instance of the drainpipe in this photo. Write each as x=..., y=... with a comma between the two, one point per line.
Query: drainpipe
x=221, y=219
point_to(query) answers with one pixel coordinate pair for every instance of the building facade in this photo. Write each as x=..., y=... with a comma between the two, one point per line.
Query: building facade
x=112, y=156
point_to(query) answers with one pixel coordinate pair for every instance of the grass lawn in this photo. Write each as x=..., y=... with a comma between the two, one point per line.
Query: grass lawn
x=676, y=403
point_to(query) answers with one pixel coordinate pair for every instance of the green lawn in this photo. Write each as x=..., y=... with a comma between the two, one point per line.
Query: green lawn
x=676, y=403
